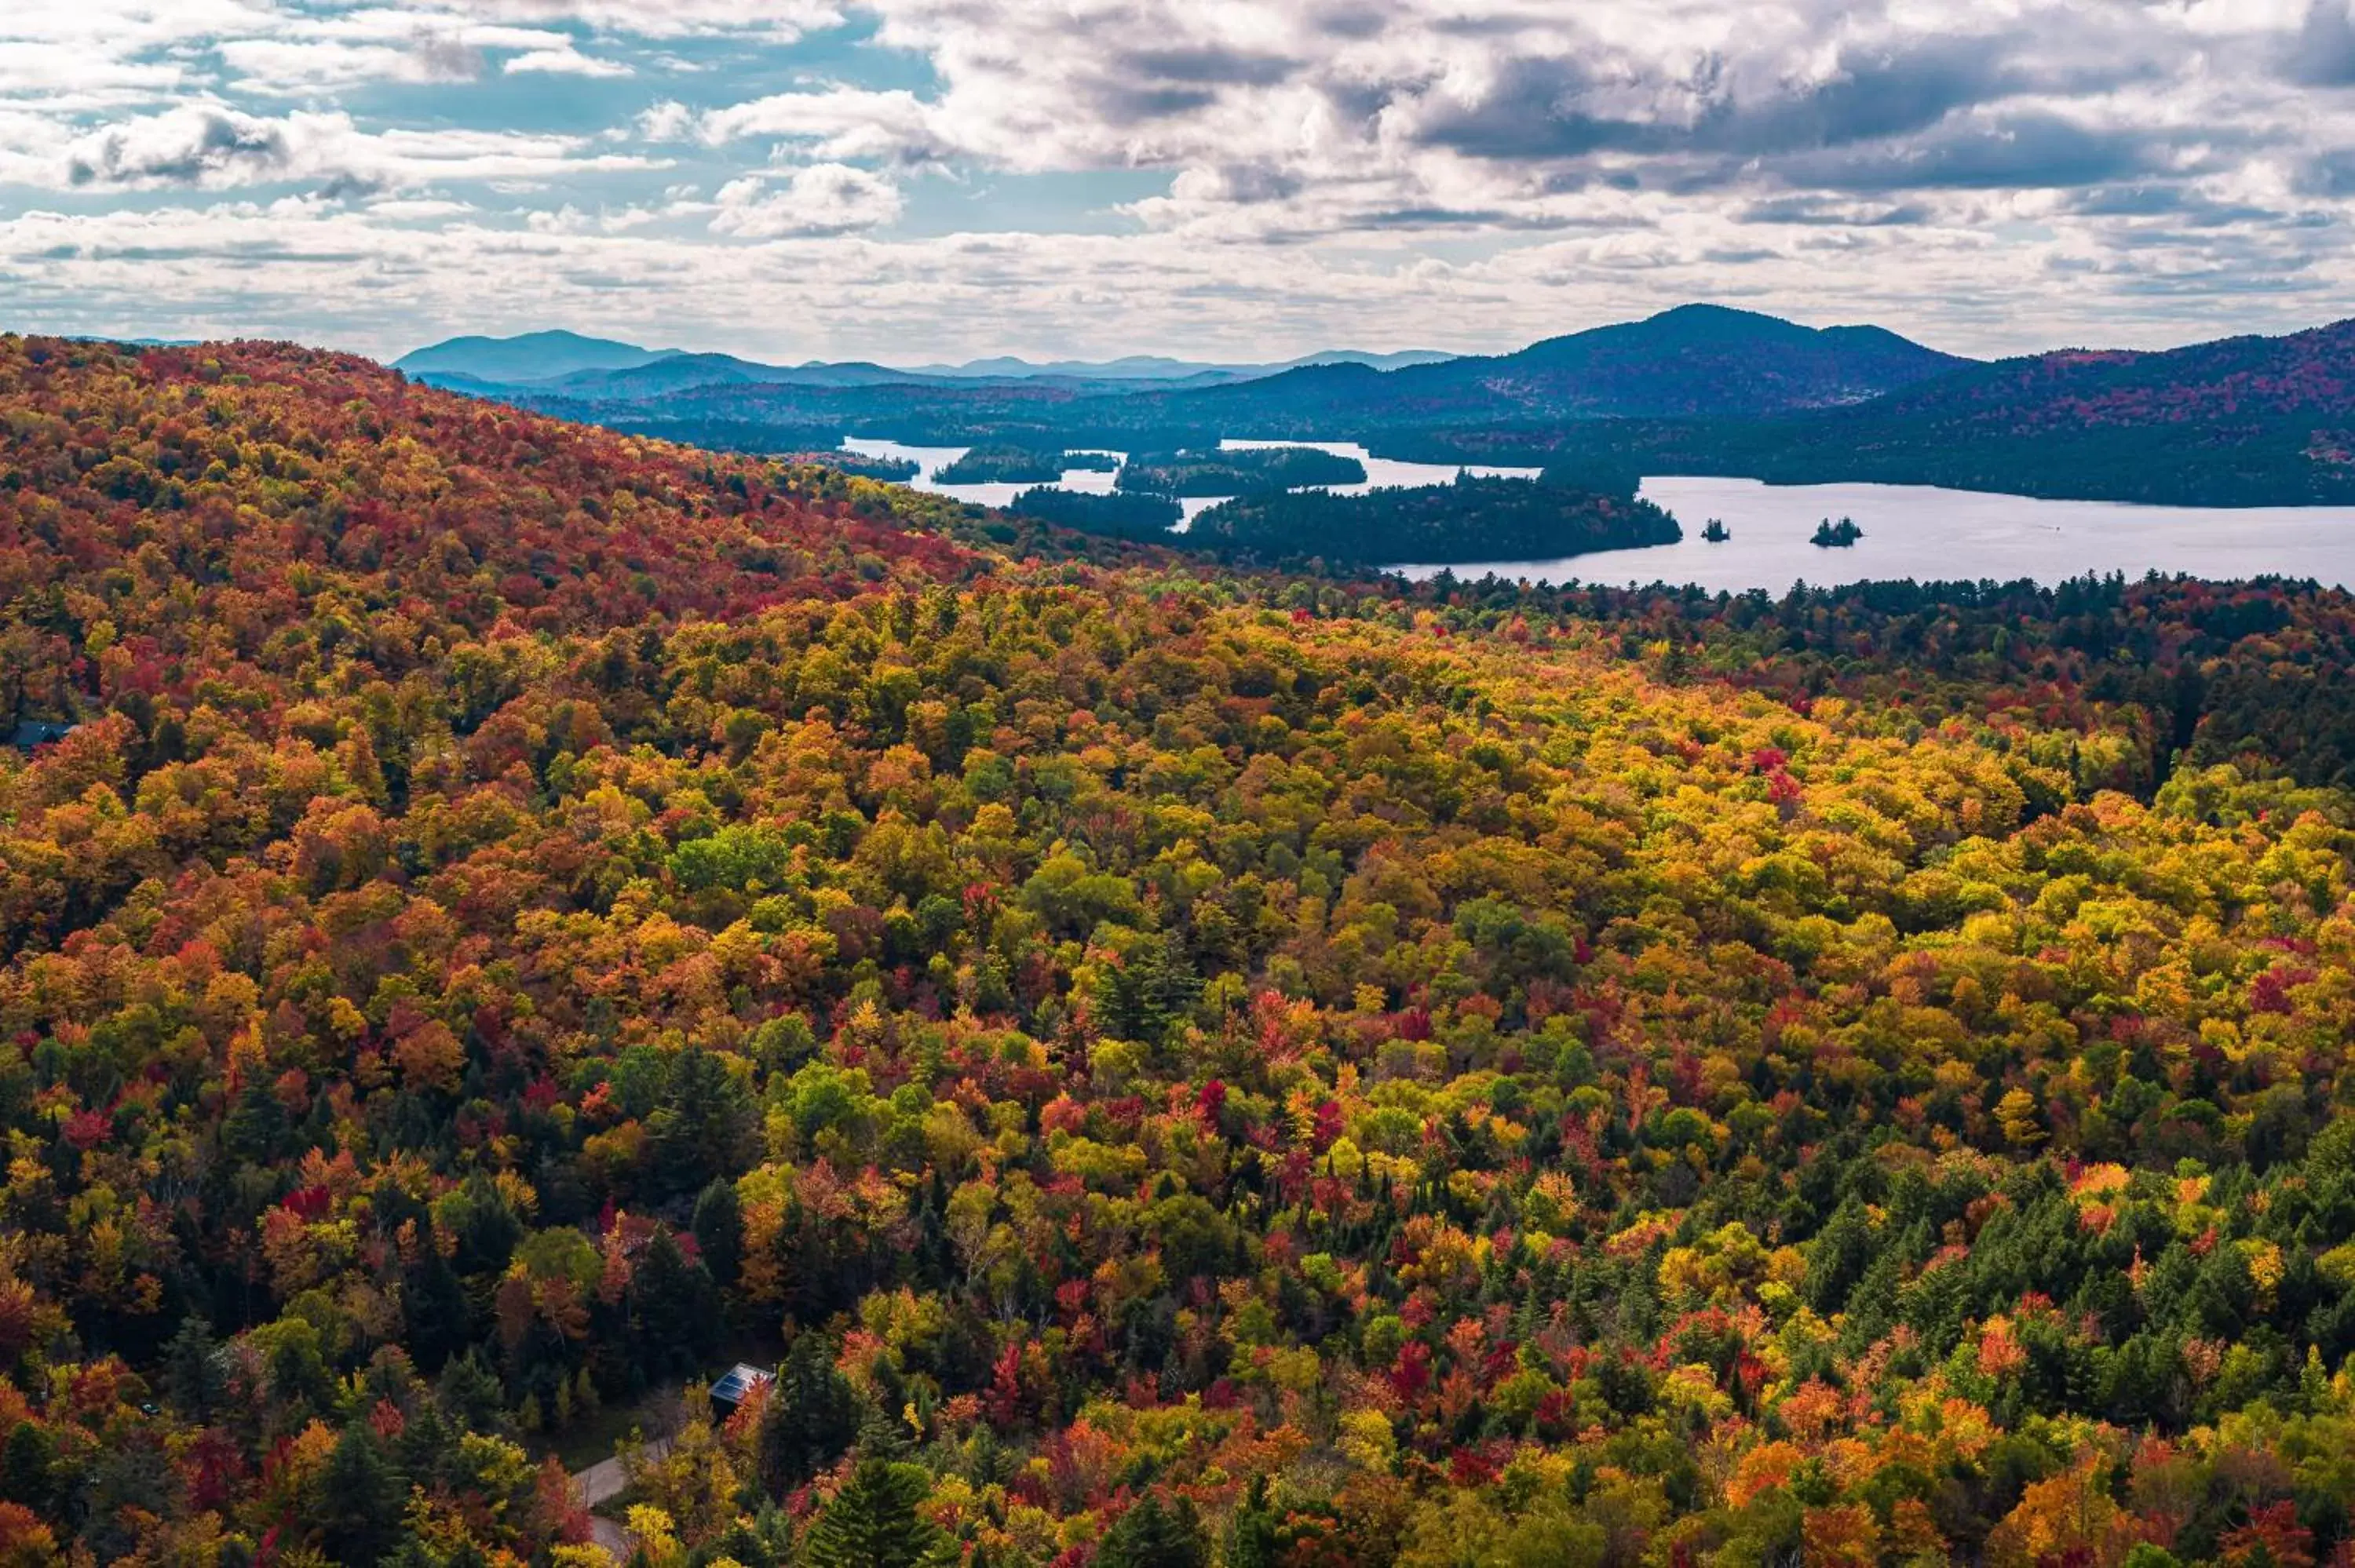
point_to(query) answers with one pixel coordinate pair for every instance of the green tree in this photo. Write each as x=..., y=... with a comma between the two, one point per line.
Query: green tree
x=1254, y=1538
x=719, y=1227
x=193, y=1379
x=873, y=1523
x=810, y=1416
x=674, y=1304
x=703, y=1129
x=361, y=1500
x=1152, y=1536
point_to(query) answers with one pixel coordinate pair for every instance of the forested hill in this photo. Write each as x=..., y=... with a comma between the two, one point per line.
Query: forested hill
x=2245, y=422
x=1175, y=1065
x=182, y=495
x=1694, y=362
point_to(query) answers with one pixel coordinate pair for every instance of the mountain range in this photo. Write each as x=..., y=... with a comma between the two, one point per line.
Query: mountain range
x=1700, y=390
x=569, y=364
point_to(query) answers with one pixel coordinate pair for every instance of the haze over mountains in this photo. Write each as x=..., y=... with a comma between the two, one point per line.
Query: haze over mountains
x=1700, y=390
x=592, y=366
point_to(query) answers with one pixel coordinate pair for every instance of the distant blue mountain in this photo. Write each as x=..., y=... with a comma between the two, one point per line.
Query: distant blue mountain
x=563, y=364
x=1154, y=368
x=523, y=361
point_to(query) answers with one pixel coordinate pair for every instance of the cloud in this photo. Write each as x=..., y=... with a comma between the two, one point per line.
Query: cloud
x=281, y=66
x=824, y=199
x=2022, y=152
x=842, y=122
x=211, y=147
x=2323, y=54
x=1246, y=172
x=192, y=146
x=564, y=62
x=777, y=20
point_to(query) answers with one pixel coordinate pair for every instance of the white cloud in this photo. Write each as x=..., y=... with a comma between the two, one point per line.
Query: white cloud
x=1997, y=173
x=291, y=66
x=212, y=147
x=564, y=62
x=774, y=19
x=824, y=199
x=840, y=122
x=670, y=121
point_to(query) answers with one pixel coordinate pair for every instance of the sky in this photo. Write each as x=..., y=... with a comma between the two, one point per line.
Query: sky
x=918, y=180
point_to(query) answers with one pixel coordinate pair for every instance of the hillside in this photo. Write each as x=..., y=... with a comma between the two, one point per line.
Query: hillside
x=1174, y=1063
x=2250, y=422
x=1697, y=361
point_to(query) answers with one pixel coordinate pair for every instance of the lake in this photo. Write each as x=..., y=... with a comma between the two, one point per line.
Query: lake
x=1910, y=531
x=1380, y=473
x=1929, y=534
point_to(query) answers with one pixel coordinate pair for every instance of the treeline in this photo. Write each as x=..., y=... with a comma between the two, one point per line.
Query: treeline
x=1021, y=465
x=1245, y=470
x=1123, y=515
x=1470, y=520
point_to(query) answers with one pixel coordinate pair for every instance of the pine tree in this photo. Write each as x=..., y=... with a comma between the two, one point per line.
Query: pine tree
x=194, y=1380
x=810, y=1419
x=1251, y=1539
x=676, y=1305
x=873, y=1523
x=1150, y=1536
x=361, y=1498
x=703, y=1129
x=718, y=1226
x=440, y=1320
x=471, y=1394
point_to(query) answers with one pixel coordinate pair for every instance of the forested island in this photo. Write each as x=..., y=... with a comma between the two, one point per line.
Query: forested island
x=1124, y=515
x=1469, y=520
x=893, y=471
x=1016, y=465
x=1839, y=535
x=1240, y=472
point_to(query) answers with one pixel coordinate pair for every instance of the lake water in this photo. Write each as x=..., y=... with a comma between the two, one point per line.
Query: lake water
x=1380, y=472
x=1928, y=534
x=930, y=461
x=1910, y=531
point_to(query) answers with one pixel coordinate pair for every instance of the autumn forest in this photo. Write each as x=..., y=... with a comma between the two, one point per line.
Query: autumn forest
x=1174, y=1060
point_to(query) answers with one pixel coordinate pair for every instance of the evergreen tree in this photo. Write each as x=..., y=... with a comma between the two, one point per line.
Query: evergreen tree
x=1150, y=1536
x=254, y=1133
x=703, y=1130
x=440, y=1320
x=719, y=1227
x=873, y=1523
x=194, y=1380
x=677, y=1307
x=810, y=1416
x=469, y=1394
x=28, y=1467
x=361, y=1497
x=1252, y=1538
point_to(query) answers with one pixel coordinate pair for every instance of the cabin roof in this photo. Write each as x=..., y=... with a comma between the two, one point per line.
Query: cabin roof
x=739, y=1382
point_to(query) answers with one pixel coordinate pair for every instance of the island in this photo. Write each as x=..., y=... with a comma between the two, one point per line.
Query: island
x=1841, y=536
x=1129, y=514
x=1716, y=532
x=1469, y=521
x=1016, y=465
x=1255, y=469
x=895, y=470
